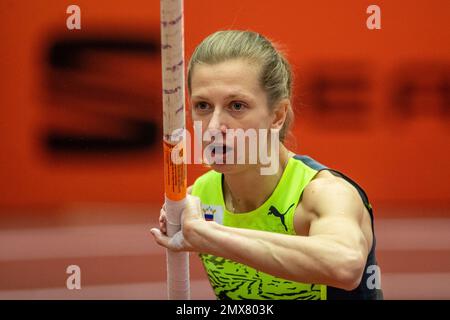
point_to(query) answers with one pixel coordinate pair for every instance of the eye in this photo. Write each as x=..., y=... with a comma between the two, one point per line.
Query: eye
x=237, y=106
x=202, y=106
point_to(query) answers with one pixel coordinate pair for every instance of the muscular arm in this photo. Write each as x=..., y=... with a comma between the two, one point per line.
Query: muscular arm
x=334, y=252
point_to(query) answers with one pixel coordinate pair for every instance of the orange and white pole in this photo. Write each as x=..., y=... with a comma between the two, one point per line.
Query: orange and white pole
x=175, y=182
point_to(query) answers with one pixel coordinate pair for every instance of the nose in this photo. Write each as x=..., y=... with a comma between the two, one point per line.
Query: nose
x=217, y=122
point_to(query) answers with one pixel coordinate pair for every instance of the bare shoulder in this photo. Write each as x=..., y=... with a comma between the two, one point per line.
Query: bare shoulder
x=331, y=197
x=327, y=190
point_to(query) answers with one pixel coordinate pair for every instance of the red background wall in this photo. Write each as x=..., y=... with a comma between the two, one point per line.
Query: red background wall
x=399, y=157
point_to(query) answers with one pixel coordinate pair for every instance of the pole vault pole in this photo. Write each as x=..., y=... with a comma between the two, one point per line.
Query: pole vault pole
x=172, y=53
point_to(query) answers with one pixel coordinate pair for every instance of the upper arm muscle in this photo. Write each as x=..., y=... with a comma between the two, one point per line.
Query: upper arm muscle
x=337, y=211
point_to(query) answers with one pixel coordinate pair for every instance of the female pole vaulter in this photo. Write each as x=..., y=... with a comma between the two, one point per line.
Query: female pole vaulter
x=304, y=232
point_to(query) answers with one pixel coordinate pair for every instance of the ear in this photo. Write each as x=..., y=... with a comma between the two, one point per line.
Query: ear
x=280, y=113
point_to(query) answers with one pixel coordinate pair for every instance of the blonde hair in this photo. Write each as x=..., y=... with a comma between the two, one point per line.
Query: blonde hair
x=275, y=77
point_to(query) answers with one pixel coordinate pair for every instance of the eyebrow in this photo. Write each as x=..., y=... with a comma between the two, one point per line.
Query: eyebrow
x=230, y=96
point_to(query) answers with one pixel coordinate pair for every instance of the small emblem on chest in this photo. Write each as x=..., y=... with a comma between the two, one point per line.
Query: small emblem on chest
x=213, y=213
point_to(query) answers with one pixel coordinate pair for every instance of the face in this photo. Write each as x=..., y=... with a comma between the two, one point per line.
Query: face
x=228, y=95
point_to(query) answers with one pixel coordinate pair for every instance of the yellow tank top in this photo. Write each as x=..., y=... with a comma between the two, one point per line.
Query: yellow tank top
x=232, y=280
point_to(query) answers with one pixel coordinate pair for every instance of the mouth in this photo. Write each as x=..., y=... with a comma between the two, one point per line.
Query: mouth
x=219, y=149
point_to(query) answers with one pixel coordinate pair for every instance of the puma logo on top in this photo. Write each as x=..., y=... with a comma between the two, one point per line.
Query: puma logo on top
x=274, y=211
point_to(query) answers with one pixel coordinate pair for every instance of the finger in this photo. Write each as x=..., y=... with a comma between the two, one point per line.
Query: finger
x=163, y=222
x=175, y=243
x=162, y=215
x=160, y=238
x=163, y=228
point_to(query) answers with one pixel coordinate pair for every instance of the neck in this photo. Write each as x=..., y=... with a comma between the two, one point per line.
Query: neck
x=239, y=191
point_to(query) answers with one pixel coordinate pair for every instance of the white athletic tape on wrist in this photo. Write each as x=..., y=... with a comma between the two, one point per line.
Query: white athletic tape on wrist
x=177, y=240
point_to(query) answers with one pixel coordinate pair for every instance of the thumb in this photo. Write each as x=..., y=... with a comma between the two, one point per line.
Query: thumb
x=159, y=237
x=175, y=243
